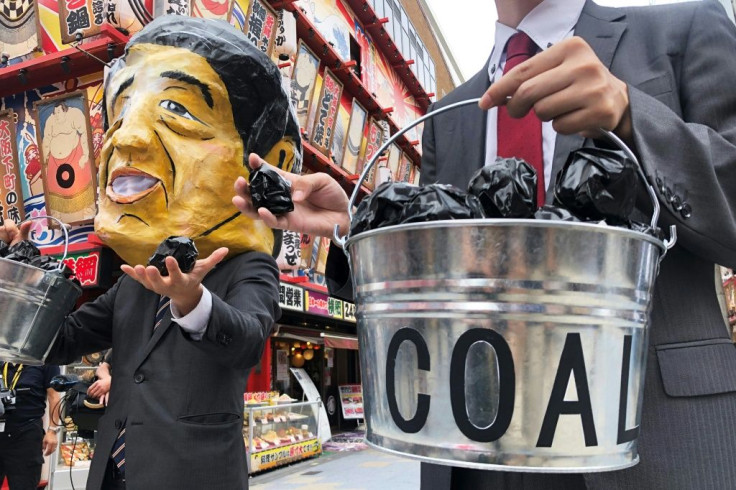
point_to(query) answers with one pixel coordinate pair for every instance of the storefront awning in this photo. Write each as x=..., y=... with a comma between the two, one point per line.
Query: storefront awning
x=340, y=341
x=300, y=334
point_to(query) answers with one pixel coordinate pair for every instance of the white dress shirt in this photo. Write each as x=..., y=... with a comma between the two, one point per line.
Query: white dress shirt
x=195, y=322
x=550, y=22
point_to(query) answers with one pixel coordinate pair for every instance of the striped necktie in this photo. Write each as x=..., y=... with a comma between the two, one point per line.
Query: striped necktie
x=118, y=447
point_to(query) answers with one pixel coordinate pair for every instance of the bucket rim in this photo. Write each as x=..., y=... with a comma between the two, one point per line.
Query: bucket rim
x=507, y=223
x=21, y=265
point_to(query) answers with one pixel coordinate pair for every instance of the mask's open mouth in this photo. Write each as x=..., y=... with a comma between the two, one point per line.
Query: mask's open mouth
x=128, y=185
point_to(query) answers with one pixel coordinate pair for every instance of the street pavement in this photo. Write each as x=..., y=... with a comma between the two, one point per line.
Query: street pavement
x=368, y=469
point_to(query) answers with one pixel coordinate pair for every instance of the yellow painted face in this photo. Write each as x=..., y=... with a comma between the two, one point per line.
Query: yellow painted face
x=170, y=158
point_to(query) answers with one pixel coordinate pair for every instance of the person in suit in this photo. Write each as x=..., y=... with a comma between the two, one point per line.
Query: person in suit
x=660, y=78
x=186, y=101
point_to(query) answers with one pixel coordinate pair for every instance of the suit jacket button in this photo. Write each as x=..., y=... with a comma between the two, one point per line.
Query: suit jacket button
x=686, y=210
x=667, y=194
x=118, y=423
x=139, y=378
x=676, y=203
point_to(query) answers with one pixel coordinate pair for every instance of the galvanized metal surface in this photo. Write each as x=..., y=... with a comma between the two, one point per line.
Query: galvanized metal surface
x=33, y=305
x=537, y=285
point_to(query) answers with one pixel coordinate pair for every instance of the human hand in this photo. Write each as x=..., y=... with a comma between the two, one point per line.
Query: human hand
x=568, y=85
x=184, y=289
x=104, y=398
x=99, y=388
x=50, y=441
x=11, y=234
x=319, y=203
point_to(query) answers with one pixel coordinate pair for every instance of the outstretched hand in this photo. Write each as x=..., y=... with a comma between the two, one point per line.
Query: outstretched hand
x=184, y=289
x=11, y=234
x=319, y=203
x=568, y=85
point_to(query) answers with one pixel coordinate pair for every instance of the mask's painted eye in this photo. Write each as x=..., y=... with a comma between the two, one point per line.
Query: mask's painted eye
x=177, y=109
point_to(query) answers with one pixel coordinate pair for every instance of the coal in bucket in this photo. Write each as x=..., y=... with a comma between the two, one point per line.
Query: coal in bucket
x=506, y=344
x=34, y=303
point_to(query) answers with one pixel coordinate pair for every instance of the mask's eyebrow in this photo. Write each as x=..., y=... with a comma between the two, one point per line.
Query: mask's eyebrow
x=121, y=89
x=183, y=77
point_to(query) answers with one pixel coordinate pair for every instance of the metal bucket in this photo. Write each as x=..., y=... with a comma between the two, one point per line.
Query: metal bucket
x=34, y=304
x=517, y=345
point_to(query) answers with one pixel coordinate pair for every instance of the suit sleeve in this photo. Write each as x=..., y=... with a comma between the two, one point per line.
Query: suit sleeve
x=691, y=160
x=428, y=173
x=241, y=321
x=87, y=330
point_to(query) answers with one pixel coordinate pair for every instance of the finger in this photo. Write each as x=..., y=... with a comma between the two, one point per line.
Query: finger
x=532, y=91
x=215, y=258
x=305, y=186
x=25, y=230
x=270, y=220
x=175, y=273
x=509, y=83
x=255, y=162
x=156, y=281
x=573, y=122
x=559, y=104
x=131, y=271
x=245, y=206
x=241, y=187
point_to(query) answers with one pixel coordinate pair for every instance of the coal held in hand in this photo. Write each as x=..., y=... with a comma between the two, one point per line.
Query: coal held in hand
x=506, y=189
x=271, y=191
x=181, y=248
x=384, y=207
x=598, y=184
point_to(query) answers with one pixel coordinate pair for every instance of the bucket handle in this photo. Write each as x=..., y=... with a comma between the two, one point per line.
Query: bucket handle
x=63, y=226
x=668, y=243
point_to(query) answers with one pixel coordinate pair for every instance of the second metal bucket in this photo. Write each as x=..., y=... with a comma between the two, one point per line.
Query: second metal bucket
x=517, y=345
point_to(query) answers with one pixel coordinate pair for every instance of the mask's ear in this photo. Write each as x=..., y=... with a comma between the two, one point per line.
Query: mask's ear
x=285, y=155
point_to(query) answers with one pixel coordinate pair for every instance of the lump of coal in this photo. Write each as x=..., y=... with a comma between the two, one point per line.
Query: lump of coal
x=506, y=189
x=179, y=247
x=271, y=191
x=3, y=248
x=598, y=184
x=440, y=202
x=554, y=213
x=383, y=207
x=22, y=251
x=51, y=264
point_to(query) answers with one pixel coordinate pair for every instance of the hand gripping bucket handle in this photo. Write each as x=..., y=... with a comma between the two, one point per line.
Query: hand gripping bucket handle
x=668, y=244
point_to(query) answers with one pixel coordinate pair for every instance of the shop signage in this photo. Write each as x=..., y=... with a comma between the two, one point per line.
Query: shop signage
x=82, y=17
x=11, y=203
x=86, y=267
x=261, y=28
x=374, y=140
x=326, y=116
x=274, y=457
x=317, y=303
x=351, y=399
x=334, y=306
x=348, y=311
x=291, y=297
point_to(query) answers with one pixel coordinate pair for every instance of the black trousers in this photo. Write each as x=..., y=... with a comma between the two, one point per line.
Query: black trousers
x=113, y=479
x=436, y=477
x=21, y=456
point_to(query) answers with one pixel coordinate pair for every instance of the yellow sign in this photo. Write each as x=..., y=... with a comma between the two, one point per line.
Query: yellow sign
x=285, y=454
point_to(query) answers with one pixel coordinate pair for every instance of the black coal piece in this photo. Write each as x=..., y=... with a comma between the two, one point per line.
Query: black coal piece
x=3, y=248
x=440, y=202
x=506, y=189
x=51, y=264
x=270, y=190
x=554, y=213
x=23, y=251
x=383, y=207
x=179, y=247
x=598, y=184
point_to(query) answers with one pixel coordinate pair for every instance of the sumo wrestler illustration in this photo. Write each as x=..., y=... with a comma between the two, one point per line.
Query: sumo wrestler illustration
x=185, y=106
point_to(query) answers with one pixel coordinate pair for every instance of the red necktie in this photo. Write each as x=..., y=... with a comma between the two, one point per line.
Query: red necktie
x=521, y=138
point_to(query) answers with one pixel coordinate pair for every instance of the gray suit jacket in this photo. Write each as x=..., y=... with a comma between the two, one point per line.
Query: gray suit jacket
x=181, y=400
x=680, y=64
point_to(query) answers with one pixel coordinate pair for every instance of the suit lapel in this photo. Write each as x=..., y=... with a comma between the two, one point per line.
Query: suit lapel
x=602, y=29
x=472, y=123
x=149, y=336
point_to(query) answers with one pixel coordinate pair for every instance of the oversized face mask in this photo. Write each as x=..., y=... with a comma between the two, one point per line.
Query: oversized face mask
x=170, y=157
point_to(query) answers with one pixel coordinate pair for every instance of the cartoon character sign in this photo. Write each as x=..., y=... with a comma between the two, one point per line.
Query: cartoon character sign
x=185, y=105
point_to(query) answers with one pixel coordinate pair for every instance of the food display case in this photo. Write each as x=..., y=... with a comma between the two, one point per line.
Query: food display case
x=280, y=431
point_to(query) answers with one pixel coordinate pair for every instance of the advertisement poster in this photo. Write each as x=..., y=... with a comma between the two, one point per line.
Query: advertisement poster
x=372, y=143
x=80, y=16
x=303, y=81
x=67, y=157
x=271, y=458
x=356, y=128
x=11, y=197
x=260, y=25
x=18, y=27
x=171, y=7
x=282, y=365
x=326, y=112
x=351, y=399
x=332, y=20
